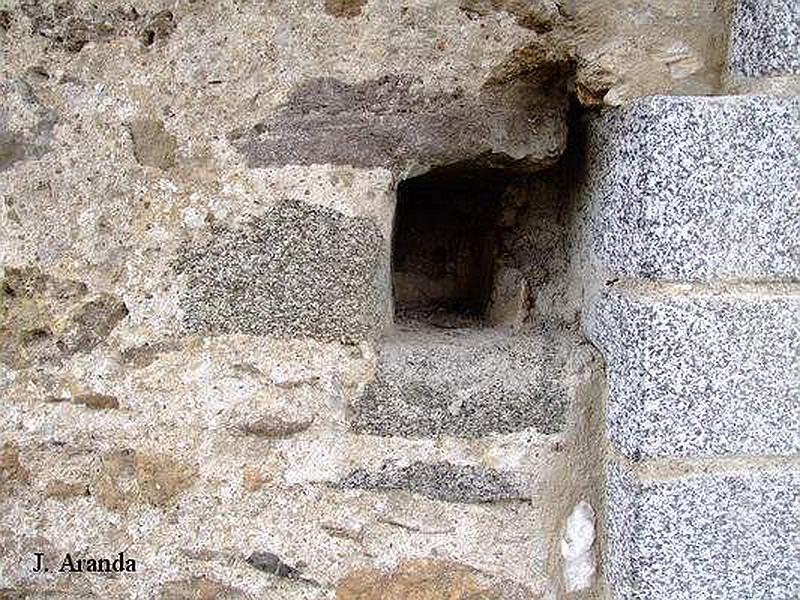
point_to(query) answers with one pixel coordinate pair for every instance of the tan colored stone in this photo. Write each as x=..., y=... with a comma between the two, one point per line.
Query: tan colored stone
x=161, y=479
x=344, y=8
x=254, y=479
x=11, y=470
x=63, y=490
x=128, y=477
x=153, y=146
x=199, y=588
x=115, y=487
x=421, y=579
x=96, y=401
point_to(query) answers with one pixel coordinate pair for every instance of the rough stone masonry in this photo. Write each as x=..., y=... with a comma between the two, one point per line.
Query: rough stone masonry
x=486, y=299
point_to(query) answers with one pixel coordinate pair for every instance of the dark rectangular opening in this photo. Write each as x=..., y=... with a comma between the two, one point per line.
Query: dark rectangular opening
x=445, y=245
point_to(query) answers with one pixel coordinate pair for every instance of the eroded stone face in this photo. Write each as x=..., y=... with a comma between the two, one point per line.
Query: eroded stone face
x=299, y=270
x=395, y=122
x=426, y=579
x=46, y=319
x=441, y=481
x=463, y=383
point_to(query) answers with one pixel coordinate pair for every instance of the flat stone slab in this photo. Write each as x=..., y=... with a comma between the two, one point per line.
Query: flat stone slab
x=394, y=122
x=465, y=383
x=701, y=374
x=765, y=38
x=299, y=270
x=697, y=188
x=441, y=481
x=719, y=535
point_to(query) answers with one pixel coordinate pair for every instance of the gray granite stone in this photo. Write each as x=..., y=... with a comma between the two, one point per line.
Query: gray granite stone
x=765, y=38
x=394, y=121
x=720, y=536
x=441, y=481
x=694, y=188
x=300, y=270
x=700, y=374
x=465, y=383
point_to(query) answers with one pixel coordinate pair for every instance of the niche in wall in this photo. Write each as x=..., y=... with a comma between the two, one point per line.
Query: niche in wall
x=445, y=246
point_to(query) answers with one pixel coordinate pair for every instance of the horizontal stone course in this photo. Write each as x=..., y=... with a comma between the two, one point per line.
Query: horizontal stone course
x=697, y=188
x=464, y=383
x=721, y=536
x=700, y=374
x=441, y=481
x=765, y=38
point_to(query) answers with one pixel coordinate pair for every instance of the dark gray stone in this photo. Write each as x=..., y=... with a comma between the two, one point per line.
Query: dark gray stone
x=694, y=188
x=765, y=38
x=703, y=374
x=33, y=141
x=394, y=121
x=464, y=383
x=441, y=481
x=299, y=270
x=726, y=536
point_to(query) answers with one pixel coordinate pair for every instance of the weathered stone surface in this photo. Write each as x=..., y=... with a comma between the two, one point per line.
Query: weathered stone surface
x=70, y=27
x=128, y=477
x=426, y=579
x=441, y=481
x=700, y=374
x=300, y=270
x=45, y=319
x=539, y=15
x=465, y=383
x=152, y=145
x=26, y=124
x=689, y=188
x=345, y=8
x=200, y=588
x=718, y=535
x=275, y=426
x=765, y=38
x=12, y=472
x=395, y=122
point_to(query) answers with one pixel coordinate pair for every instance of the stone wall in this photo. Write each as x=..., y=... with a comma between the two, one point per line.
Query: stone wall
x=207, y=357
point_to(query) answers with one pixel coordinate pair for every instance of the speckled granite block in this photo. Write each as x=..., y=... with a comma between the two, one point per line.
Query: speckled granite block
x=299, y=270
x=731, y=536
x=701, y=374
x=765, y=38
x=694, y=188
x=465, y=383
x=441, y=481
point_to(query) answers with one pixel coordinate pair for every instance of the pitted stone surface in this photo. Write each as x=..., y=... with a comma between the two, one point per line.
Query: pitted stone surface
x=393, y=122
x=465, y=383
x=300, y=270
x=441, y=481
x=691, y=188
x=700, y=374
x=765, y=38
x=725, y=535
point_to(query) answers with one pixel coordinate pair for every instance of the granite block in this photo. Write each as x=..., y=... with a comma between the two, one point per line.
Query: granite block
x=701, y=374
x=697, y=188
x=441, y=481
x=299, y=270
x=765, y=38
x=720, y=536
x=465, y=383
